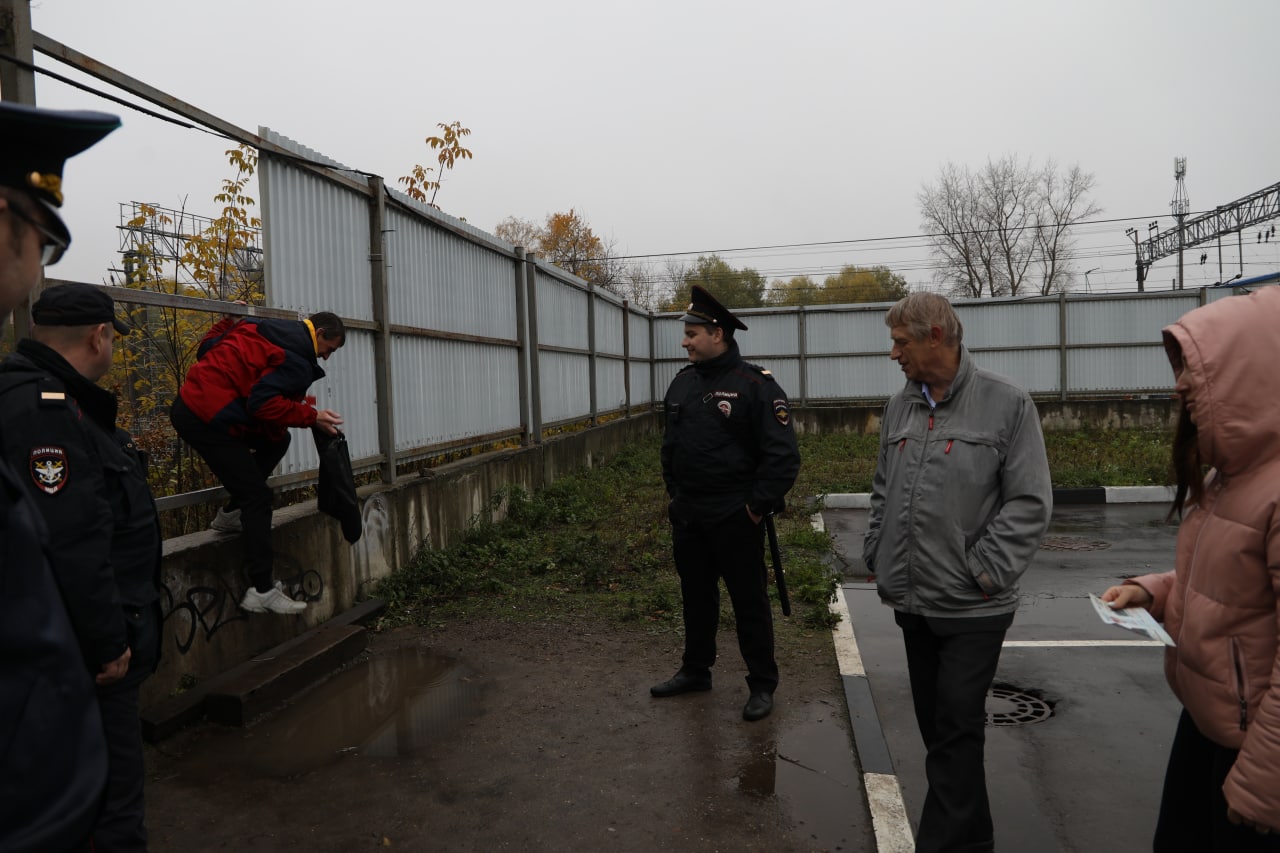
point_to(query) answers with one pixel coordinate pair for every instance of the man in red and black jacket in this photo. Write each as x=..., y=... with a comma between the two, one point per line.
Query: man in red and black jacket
x=245, y=390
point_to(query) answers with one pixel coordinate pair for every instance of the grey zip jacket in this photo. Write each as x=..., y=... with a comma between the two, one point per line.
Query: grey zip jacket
x=961, y=497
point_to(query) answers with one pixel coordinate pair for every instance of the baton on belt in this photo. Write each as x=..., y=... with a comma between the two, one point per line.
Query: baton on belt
x=776, y=554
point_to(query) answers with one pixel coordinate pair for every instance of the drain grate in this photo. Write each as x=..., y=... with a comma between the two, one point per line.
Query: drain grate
x=1011, y=706
x=1072, y=543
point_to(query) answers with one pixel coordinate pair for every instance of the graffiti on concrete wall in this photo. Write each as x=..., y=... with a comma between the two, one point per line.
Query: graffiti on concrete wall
x=203, y=610
x=371, y=556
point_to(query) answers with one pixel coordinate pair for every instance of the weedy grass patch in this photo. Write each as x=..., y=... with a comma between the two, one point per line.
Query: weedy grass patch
x=598, y=541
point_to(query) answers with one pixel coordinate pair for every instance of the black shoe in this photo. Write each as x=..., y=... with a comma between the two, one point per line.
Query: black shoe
x=681, y=682
x=759, y=706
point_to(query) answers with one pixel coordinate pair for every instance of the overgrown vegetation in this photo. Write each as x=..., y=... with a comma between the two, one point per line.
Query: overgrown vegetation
x=596, y=541
x=599, y=542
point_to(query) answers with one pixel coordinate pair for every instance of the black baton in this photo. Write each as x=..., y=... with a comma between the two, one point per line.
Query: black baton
x=778, y=576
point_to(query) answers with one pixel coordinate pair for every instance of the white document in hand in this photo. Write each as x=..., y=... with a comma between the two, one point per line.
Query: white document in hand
x=1136, y=619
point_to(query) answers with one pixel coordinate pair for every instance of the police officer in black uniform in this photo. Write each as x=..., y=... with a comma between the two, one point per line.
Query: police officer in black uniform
x=729, y=457
x=53, y=757
x=89, y=481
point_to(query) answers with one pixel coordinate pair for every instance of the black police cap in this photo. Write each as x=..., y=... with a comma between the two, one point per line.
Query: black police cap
x=706, y=311
x=35, y=145
x=76, y=305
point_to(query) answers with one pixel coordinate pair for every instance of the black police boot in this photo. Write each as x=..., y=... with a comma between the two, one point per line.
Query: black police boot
x=681, y=682
x=759, y=706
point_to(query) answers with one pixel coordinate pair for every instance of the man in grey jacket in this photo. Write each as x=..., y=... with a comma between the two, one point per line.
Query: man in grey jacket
x=961, y=498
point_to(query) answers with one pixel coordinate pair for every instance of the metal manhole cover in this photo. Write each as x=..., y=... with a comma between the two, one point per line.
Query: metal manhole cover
x=1072, y=543
x=1009, y=706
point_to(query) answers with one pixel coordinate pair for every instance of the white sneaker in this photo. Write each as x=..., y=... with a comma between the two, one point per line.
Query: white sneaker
x=226, y=522
x=272, y=601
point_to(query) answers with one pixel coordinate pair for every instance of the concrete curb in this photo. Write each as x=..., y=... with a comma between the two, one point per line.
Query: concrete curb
x=884, y=795
x=1061, y=497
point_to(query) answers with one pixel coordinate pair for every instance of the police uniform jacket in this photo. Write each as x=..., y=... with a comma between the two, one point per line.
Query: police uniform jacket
x=53, y=759
x=89, y=482
x=729, y=441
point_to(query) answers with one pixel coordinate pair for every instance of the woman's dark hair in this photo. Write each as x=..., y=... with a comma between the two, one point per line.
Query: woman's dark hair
x=1188, y=467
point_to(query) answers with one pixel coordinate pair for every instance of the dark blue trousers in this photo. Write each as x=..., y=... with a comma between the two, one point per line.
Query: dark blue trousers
x=733, y=549
x=952, y=663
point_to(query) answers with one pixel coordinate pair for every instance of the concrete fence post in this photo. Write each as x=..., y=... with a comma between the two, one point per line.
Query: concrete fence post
x=535, y=381
x=382, y=360
x=522, y=352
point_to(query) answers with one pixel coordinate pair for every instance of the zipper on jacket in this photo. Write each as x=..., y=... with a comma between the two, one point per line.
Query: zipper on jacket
x=930, y=422
x=947, y=452
x=1244, y=704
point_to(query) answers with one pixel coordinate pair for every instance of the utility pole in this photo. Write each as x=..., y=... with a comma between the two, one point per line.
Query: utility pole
x=1132, y=233
x=17, y=84
x=1181, y=206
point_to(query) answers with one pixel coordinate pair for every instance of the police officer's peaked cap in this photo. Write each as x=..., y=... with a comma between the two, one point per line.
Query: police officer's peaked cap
x=76, y=305
x=35, y=145
x=706, y=311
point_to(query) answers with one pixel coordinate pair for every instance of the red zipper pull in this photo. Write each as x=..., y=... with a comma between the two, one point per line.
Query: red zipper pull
x=950, y=442
x=902, y=444
x=930, y=423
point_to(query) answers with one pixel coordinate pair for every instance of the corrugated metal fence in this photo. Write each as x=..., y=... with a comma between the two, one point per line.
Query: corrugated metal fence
x=458, y=338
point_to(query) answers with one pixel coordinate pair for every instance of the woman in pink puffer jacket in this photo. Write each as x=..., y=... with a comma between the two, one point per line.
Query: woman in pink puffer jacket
x=1221, y=605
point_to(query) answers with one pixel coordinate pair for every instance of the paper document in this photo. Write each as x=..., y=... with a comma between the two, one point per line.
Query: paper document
x=1136, y=619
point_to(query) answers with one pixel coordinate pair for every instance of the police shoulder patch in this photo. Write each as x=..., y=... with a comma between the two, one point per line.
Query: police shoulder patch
x=49, y=470
x=782, y=412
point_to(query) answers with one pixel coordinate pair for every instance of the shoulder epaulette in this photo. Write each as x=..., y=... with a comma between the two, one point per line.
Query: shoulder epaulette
x=757, y=368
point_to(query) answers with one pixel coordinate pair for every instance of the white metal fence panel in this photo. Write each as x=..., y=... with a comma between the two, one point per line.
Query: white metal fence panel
x=562, y=312
x=447, y=391
x=776, y=334
x=611, y=389
x=1117, y=321
x=852, y=377
x=829, y=332
x=638, y=326
x=438, y=280
x=609, y=325
x=1119, y=369
x=566, y=394
x=1013, y=324
x=1035, y=370
x=641, y=392
x=315, y=238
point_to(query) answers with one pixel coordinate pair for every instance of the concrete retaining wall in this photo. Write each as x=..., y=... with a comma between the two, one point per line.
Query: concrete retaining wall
x=205, y=632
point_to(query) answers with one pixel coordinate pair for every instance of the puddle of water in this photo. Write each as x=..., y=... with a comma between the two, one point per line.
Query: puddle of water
x=391, y=705
x=810, y=768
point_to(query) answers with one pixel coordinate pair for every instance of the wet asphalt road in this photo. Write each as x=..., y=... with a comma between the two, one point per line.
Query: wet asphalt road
x=1088, y=777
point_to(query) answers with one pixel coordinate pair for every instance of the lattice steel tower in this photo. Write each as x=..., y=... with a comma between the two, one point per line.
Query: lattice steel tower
x=1181, y=206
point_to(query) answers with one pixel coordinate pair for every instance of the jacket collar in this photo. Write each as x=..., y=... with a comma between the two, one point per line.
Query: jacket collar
x=726, y=360
x=98, y=403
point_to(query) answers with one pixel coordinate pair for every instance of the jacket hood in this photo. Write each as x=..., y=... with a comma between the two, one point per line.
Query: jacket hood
x=1231, y=349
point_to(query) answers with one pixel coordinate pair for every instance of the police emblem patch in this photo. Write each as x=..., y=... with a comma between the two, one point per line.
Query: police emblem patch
x=726, y=408
x=781, y=412
x=48, y=467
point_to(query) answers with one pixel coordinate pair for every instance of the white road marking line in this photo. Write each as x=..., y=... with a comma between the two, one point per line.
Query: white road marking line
x=1067, y=644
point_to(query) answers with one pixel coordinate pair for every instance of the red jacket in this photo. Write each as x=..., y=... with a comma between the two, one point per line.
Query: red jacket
x=251, y=376
x=1222, y=604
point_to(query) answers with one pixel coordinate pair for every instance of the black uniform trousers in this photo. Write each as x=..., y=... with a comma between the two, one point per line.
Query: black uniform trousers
x=242, y=464
x=732, y=548
x=1193, y=810
x=120, y=825
x=952, y=663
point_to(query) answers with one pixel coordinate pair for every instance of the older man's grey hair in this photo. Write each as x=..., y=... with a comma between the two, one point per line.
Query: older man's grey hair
x=921, y=311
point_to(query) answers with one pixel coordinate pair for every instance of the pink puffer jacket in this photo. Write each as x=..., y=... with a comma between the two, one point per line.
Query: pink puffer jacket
x=1222, y=603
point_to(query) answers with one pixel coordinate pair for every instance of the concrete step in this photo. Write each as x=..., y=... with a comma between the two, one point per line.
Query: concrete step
x=238, y=695
x=258, y=685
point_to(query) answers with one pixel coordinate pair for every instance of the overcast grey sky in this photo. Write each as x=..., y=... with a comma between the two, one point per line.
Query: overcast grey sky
x=698, y=126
